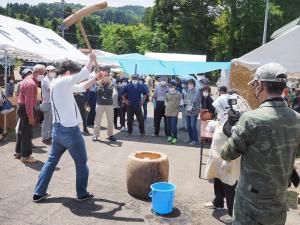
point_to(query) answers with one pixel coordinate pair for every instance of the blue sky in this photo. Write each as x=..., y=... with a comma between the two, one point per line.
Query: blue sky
x=84, y=2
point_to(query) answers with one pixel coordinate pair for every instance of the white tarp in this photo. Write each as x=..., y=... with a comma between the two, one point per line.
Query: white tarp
x=176, y=57
x=27, y=41
x=284, y=50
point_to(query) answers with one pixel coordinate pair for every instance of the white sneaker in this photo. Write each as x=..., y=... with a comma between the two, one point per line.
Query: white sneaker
x=210, y=205
x=226, y=219
x=95, y=138
x=193, y=143
x=123, y=129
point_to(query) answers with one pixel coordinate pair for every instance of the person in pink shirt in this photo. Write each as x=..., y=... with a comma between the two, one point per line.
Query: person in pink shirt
x=26, y=102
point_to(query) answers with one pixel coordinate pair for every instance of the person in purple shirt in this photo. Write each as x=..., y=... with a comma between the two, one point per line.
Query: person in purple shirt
x=134, y=103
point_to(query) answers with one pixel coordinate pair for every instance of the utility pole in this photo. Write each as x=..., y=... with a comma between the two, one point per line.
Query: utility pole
x=266, y=22
x=62, y=18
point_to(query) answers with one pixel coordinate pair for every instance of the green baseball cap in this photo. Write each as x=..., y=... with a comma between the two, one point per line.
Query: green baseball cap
x=271, y=72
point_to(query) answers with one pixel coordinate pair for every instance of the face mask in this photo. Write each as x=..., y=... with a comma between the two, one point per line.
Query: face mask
x=205, y=94
x=119, y=85
x=134, y=82
x=163, y=82
x=11, y=81
x=40, y=77
x=190, y=86
x=183, y=85
x=172, y=89
x=52, y=75
x=141, y=82
x=124, y=84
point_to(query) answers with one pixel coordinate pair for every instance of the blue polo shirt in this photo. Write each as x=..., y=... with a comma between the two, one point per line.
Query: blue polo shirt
x=134, y=93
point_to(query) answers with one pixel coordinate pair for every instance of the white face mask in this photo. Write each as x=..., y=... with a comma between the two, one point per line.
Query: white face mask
x=141, y=82
x=119, y=84
x=171, y=89
x=124, y=84
x=183, y=85
x=205, y=94
x=190, y=86
x=52, y=74
x=11, y=81
x=134, y=82
x=40, y=77
x=163, y=82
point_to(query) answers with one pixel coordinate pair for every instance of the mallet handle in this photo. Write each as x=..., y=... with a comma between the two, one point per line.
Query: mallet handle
x=87, y=42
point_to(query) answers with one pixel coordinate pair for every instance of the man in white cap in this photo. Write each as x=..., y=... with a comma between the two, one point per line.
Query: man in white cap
x=46, y=104
x=267, y=140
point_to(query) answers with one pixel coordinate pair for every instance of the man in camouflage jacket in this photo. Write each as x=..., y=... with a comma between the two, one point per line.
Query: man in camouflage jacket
x=267, y=140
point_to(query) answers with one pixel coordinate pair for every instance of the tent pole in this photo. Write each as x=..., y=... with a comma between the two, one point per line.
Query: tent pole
x=266, y=22
x=135, y=69
x=5, y=86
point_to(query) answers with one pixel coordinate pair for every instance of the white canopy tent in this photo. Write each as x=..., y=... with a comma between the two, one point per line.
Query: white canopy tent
x=176, y=57
x=284, y=50
x=26, y=41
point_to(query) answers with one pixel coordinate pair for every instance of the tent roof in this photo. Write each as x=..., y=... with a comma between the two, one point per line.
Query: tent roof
x=140, y=64
x=176, y=57
x=27, y=41
x=284, y=50
x=281, y=31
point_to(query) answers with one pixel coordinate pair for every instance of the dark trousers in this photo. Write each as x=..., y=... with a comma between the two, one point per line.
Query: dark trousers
x=116, y=115
x=137, y=111
x=24, y=135
x=145, y=109
x=159, y=112
x=123, y=111
x=171, y=126
x=224, y=191
x=81, y=100
x=92, y=103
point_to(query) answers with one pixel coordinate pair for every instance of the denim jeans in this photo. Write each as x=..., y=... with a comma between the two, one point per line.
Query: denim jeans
x=171, y=126
x=64, y=138
x=192, y=128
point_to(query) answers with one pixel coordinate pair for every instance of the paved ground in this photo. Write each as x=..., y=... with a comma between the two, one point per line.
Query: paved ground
x=112, y=205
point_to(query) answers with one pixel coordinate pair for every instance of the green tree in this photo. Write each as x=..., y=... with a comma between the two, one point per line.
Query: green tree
x=121, y=39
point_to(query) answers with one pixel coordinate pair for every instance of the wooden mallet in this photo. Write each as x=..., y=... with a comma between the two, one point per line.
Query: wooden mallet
x=77, y=17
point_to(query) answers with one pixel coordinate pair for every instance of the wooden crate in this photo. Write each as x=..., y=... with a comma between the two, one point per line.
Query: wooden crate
x=11, y=121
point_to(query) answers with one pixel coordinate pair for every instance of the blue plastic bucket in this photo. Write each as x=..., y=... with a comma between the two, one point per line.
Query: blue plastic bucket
x=162, y=195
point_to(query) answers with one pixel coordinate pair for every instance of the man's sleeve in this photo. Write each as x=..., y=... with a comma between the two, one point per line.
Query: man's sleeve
x=79, y=77
x=30, y=99
x=237, y=143
x=77, y=88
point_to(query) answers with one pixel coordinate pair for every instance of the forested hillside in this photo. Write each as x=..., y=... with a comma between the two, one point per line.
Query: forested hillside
x=222, y=29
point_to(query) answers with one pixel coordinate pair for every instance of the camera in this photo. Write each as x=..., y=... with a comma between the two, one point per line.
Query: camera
x=233, y=115
x=231, y=101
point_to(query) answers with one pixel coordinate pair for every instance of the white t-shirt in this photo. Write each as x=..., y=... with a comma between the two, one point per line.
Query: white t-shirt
x=221, y=107
x=45, y=86
x=64, y=108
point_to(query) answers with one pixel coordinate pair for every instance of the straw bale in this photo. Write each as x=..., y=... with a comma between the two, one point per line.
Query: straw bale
x=239, y=79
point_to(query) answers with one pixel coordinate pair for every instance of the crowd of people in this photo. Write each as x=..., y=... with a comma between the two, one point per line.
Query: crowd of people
x=252, y=151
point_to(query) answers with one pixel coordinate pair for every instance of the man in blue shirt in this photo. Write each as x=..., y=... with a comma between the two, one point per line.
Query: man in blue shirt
x=134, y=103
x=142, y=82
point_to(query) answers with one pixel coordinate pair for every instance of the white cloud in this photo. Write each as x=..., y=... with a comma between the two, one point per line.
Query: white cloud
x=84, y=2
